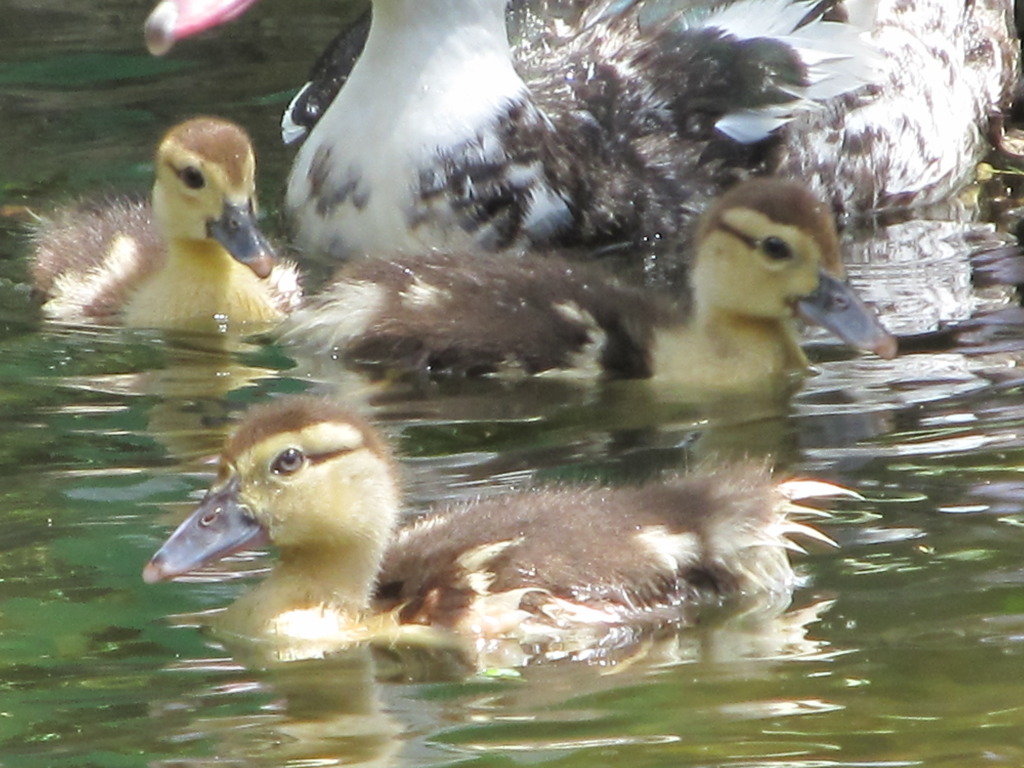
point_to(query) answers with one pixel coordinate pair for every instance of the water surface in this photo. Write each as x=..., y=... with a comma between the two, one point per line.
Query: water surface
x=905, y=646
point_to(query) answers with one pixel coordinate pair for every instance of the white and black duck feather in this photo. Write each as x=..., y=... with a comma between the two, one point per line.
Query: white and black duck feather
x=590, y=138
x=634, y=112
x=948, y=71
x=444, y=134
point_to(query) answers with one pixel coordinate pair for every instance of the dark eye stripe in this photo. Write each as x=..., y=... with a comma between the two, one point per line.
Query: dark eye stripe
x=772, y=246
x=319, y=458
x=750, y=241
x=282, y=462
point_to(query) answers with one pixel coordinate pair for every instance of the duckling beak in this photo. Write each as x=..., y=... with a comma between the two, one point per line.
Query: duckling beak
x=238, y=232
x=173, y=20
x=835, y=306
x=219, y=527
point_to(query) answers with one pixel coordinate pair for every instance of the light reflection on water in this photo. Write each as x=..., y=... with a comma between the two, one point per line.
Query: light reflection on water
x=905, y=647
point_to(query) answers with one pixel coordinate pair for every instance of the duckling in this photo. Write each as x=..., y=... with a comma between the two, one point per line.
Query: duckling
x=612, y=124
x=557, y=567
x=191, y=258
x=766, y=251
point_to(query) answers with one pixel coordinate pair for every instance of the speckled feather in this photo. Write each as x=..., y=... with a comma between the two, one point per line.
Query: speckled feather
x=678, y=544
x=916, y=136
x=72, y=247
x=625, y=161
x=432, y=314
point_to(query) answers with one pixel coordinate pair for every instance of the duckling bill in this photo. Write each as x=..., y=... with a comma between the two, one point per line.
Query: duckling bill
x=765, y=253
x=567, y=566
x=193, y=257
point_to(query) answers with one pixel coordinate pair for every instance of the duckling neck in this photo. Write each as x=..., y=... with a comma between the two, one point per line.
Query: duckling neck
x=321, y=584
x=336, y=578
x=725, y=350
x=313, y=592
x=200, y=284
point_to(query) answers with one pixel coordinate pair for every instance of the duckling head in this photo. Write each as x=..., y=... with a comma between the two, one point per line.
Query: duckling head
x=768, y=251
x=205, y=190
x=310, y=478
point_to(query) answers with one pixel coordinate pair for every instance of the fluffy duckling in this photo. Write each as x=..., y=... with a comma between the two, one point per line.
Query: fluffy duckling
x=765, y=252
x=192, y=257
x=563, y=567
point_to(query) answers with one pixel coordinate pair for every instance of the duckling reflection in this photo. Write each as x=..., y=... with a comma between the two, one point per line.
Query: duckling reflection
x=537, y=574
x=765, y=252
x=355, y=707
x=186, y=388
x=193, y=258
x=330, y=707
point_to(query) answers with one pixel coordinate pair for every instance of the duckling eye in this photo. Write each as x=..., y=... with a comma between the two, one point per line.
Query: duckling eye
x=192, y=177
x=288, y=462
x=776, y=249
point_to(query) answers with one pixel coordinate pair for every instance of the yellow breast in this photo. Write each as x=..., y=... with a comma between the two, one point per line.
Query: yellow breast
x=199, y=285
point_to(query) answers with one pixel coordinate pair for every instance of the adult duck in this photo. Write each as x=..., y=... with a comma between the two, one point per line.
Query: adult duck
x=564, y=569
x=765, y=252
x=613, y=125
x=192, y=258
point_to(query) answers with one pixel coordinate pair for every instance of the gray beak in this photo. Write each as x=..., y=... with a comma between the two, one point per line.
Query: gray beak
x=238, y=232
x=836, y=307
x=220, y=526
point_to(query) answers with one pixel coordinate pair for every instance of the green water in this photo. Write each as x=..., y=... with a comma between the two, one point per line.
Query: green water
x=905, y=647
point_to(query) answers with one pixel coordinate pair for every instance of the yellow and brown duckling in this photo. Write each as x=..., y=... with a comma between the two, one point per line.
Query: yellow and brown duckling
x=765, y=252
x=192, y=258
x=558, y=568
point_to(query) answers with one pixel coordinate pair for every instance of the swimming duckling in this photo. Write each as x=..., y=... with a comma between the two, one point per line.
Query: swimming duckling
x=562, y=567
x=765, y=252
x=192, y=258
x=612, y=123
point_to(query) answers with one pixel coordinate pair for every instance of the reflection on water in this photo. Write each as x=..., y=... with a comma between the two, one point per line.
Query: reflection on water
x=904, y=647
x=339, y=706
